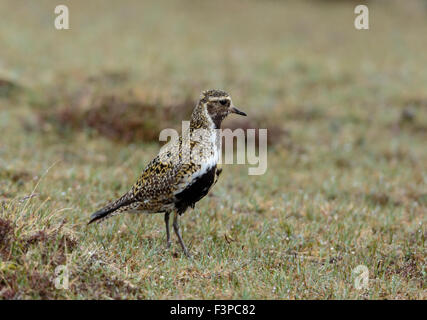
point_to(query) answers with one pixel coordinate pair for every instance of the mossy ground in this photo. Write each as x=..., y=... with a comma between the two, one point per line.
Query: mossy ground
x=346, y=178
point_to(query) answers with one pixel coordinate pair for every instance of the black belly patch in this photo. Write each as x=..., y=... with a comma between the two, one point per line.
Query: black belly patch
x=196, y=191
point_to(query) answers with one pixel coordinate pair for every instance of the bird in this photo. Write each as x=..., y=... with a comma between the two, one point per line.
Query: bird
x=183, y=172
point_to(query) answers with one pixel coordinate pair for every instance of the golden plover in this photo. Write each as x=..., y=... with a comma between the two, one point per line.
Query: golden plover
x=179, y=176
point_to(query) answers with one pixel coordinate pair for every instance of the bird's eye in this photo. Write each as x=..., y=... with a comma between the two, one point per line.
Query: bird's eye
x=223, y=102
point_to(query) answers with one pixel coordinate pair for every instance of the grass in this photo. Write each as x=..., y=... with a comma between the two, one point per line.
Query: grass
x=345, y=185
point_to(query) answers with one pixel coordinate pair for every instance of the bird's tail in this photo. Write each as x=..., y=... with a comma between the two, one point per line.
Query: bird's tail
x=111, y=209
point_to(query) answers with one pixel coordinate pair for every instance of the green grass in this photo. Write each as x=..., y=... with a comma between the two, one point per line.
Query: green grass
x=346, y=186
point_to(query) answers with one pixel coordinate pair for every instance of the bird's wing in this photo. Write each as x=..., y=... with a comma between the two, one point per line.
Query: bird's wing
x=164, y=176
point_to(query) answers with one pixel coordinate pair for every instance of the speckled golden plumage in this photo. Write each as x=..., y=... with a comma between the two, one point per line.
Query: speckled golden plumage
x=173, y=180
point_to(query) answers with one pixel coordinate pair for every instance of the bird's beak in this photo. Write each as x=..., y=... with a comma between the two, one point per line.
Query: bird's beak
x=233, y=109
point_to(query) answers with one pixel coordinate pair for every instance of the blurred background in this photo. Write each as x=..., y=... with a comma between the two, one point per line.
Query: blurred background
x=284, y=61
x=346, y=112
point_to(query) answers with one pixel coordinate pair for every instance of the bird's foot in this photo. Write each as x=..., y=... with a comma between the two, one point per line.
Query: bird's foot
x=187, y=254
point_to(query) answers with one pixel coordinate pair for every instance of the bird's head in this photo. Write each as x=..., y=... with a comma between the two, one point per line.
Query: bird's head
x=217, y=105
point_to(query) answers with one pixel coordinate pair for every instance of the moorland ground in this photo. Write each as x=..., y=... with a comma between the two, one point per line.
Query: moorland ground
x=346, y=110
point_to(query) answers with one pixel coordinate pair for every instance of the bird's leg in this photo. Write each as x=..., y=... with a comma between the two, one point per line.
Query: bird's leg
x=178, y=234
x=168, y=234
